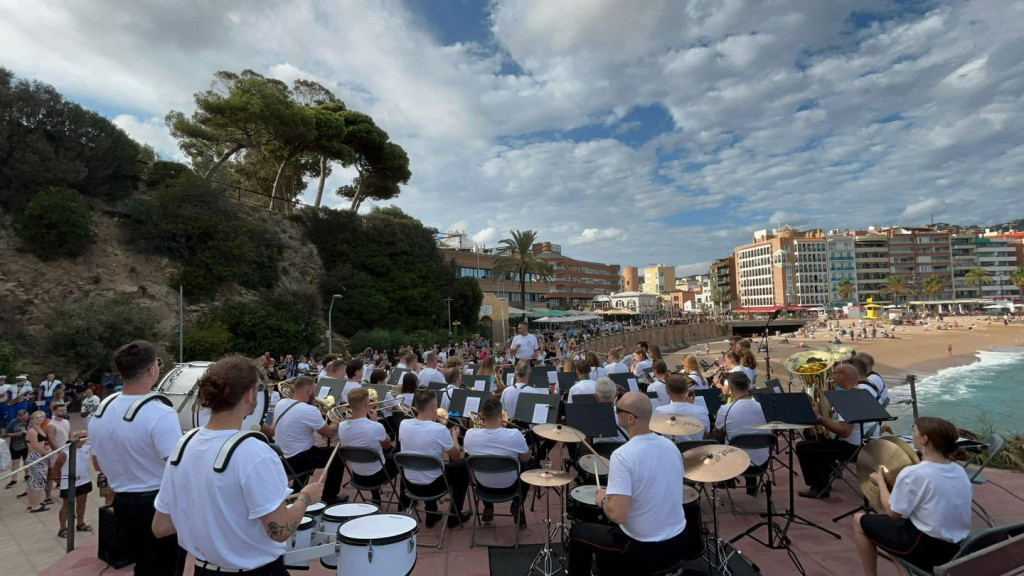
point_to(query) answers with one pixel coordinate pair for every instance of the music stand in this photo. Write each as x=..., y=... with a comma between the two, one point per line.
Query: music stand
x=334, y=387
x=712, y=400
x=381, y=390
x=471, y=369
x=539, y=379
x=529, y=405
x=582, y=398
x=396, y=376
x=436, y=386
x=460, y=399
x=479, y=383
x=594, y=419
x=625, y=380
x=566, y=381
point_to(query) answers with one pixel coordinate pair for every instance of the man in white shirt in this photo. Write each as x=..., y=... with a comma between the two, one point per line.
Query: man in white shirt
x=297, y=424
x=644, y=502
x=818, y=457
x=869, y=379
x=430, y=373
x=423, y=435
x=583, y=386
x=605, y=391
x=510, y=395
x=133, y=454
x=524, y=345
x=614, y=366
x=47, y=390
x=682, y=403
x=740, y=418
x=24, y=387
x=496, y=440
x=409, y=361
x=363, y=430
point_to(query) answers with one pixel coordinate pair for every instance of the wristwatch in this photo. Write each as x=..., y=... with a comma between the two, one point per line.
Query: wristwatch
x=603, y=502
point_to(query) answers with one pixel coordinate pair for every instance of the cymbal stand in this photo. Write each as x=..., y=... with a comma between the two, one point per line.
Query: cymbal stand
x=717, y=554
x=547, y=558
x=791, y=516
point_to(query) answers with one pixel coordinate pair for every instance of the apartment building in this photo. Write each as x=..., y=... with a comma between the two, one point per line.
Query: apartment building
x=871, y=265
x=917, y=254
x=782, y=267
x=964, y=250
x=659, y=279
x=998, y=257
x=574, y=283
x=722, y=282
x=841, y=248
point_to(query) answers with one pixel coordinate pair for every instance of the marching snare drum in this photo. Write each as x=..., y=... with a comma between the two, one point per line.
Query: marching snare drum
x=582, y=505
x=334, y=517
x=694, y=526
x=316, y=512
x=378, y=545
x=585, y=470
x=181, y=386
x=302, y=538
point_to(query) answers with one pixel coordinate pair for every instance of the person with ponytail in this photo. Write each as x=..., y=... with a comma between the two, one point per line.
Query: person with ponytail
x=234, y=519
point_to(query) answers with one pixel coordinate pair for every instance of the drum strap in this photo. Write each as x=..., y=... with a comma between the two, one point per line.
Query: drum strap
x=98, y=413
x=133, y=411
x=220, y=464
x=179, y=448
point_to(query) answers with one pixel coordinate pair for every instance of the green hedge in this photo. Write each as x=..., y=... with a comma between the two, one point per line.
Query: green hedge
x=85, y=333
x=56, y=223
x=382, y=339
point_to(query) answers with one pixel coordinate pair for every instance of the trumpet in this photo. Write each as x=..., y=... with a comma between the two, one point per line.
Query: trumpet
x=442, y=417
x=477, y=419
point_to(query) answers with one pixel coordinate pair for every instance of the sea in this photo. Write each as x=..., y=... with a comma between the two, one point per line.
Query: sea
x=983, y=397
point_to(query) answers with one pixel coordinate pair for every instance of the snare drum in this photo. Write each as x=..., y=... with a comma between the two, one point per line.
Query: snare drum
x=378, y=545
x=316, y=512
x=333, y=518
x=302, y=538
x=694, y=526
x=582, y=505
x=585, y=470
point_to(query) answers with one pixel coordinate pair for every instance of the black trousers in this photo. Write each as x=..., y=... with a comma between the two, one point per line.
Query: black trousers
x=275, y=568
x=819, y=457
x=316, y=457
x=385, y=474
x=458, y=479
x=154, y=556
x=617, y=553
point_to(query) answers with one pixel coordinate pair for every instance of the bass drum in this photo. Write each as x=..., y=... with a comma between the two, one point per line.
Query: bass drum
x=181, y=386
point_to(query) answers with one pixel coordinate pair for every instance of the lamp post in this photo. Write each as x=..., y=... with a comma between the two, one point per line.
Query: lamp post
x=449, y=301
x=330, y=318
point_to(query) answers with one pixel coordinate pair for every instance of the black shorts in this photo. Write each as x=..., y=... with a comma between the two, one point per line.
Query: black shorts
x=901, y=538
x=83, y=489
x=21, y=454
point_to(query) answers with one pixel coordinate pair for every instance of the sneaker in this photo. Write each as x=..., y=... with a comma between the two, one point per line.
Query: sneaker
x=815, y=493
x=23, y=494
x=488, y=514
x=10, y=484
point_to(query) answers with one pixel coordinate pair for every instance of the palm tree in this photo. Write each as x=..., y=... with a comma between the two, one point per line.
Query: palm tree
x=1017, y=279
x=933, y=286
x=896, y=286
x=720, y=296
x=515, y=256
x=978, y=277
x=845, y=289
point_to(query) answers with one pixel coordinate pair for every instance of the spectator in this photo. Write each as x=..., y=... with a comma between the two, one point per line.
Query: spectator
x=83, y=485
x=15, y=434
x=38, y=448
x=90, y=402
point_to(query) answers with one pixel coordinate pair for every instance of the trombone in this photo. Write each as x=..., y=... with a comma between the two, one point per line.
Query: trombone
x=287, y=389
x=342, y=412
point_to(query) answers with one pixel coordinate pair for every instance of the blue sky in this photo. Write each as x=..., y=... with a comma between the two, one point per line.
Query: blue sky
x=633, y=133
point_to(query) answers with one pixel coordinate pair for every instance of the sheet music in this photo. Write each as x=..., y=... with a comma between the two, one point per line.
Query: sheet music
x=540, y=413
x=467, y=371
x=632, y=384
x=472, y=405
x=552, y=376
x=480, y=385
x=324, y=391
x=510, y=378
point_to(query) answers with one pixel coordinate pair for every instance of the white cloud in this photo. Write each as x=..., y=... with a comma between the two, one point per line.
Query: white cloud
x=591, y=235
x=152, y=131
x=488, y=236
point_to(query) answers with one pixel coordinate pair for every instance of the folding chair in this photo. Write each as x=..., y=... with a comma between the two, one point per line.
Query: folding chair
x=298, y=480
x=481, y=493
x=366, y=456
x=975, y=542
x=974, y=467
x=424, y=463
x=758, y=473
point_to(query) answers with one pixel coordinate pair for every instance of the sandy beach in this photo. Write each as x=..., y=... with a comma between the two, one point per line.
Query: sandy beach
x=914, y=350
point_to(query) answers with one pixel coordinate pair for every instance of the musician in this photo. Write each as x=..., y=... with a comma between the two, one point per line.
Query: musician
x=424, y=435
x=407, y=390
x=818, y=457
x=6, y=392
x=596, y=369
x=740, y=417
x=524, y=345
x=584, y=385
x=510, y=395
x=732, y=361
x=605, y=391
x=363, y=430
x=865, y=382
x=874, y=377
x=354, y=373
x=692, y=369
x=410, y=362
x=430, y=373
x=48, y=389
x=614, y=365
x=680, y=393
x=453, y=378
x=238, y=520
x=296, y=427
x=132, y=455
x=326, y=363
x=640, y=362
x=748, y=363
x=25, y=388
x=658, y=385
x=494, y=439
x=928, y=513
x=644, y=502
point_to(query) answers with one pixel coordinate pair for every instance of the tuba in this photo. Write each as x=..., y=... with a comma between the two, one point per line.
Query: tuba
x=287, y=389
x=814, y=369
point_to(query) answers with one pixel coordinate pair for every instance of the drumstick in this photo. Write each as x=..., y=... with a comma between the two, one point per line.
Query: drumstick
x=597, y=478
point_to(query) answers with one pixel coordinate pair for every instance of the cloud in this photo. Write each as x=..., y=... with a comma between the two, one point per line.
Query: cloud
x=152, y=131
x=691, y=269
x=489, y=235
x=591, y=235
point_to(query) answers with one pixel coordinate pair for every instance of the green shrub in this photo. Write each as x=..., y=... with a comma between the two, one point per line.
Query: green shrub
x=207, y=340
x=56, y=223
x=161, y=171
x=86, y=333
x=283, y=322
x=383, y=339
x=7, y=360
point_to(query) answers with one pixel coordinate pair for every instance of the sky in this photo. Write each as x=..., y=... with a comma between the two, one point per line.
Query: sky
x=663, y=131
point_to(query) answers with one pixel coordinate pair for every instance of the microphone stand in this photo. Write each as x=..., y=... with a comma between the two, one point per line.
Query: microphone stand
x=767, y=355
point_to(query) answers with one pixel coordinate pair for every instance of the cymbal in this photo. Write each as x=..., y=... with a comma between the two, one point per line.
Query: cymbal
x=558, y=432
x=714, y=463
x=675, y=425
x=587, y=463
x=546, y=477
x=781, y=426
x=889, y=452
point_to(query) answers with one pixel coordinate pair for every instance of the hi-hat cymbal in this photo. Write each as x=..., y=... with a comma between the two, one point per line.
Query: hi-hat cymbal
x=781, y=426
x=714, y=463
x=889, y=452
x=546, y=477
x=558, y=432
x=675, y=425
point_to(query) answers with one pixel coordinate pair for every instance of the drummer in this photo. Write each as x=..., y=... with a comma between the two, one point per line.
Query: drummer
x=644, y=502
x=494, y=439
x=235, y=521
x=928, y=513
x=682, y=403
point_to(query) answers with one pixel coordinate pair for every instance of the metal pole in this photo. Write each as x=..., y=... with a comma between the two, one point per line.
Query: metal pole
x=449, y=301
x=912, y=379
x=181, y=326
x=72, y=521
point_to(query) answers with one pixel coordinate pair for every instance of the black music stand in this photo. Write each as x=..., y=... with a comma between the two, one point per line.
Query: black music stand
x=539, y=379
x=594, y=419
x=712, y=399
x=857, y=407
x=566, y=381
x=396, y=376
x=528, y=403
x=582, y=399
x=625, y=380
x=471, y=369
x=381, y=389
x=479, y=383
x=457, y=406
x=437, y=386
x=334, y=387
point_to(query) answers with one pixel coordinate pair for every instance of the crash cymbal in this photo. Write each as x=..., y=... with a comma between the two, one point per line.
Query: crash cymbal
x=675, y=425
x=782, y=426
x=546, y=477
x=587, y=463
x=889, y=452
x=558, y=432
x=714, y=463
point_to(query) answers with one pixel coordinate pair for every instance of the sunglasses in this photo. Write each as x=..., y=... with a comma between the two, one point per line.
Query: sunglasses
x=621, y=411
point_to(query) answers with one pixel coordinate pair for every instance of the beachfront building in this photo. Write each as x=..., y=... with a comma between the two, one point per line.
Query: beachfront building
x=659, y=279
x=840, y=247
x=917, y=254
x=574, y=283
x=871, y=265
x=723, y=293
x=782, y=267
x=630, y=279
x=478, y=263
x=810, y=281
x=964, y=248
x=998, y=257
x=639, y=302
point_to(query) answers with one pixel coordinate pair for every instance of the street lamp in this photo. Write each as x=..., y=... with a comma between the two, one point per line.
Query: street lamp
x=330, y=318
x=449, y=301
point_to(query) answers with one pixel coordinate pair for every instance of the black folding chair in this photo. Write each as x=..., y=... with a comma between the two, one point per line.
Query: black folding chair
x=974, y=467
x=354, y=455
x=482, y=493
x=298, y=480
x=975, y=542
x=757, y=473
x=424, y=463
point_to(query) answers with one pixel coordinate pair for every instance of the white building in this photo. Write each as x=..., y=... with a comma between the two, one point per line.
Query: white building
x=996, y=256
x=640, y=302
x=841, y=266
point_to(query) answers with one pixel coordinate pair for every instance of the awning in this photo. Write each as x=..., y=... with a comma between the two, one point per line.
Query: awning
x=514, y=312
x=769, y=309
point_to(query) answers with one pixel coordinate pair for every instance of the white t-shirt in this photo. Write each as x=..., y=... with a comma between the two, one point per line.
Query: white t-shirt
x=295, y=430
x=527, y=346
x=132, y=454
x=217, y=515
x=615, y=368
x=363, y=433
x=936, y=498
x=659, y=387
x=638, y=370
x=656, y=498
x=879, y=383
x=25, y=390
x=82, y=476
x=701, y=381
x=495, y=442
x=275, y=397
x=446, y=396
x=686, y=409
x=90, y=404
x=582, y=387
x=738, y=419
x=303, y=367
x=510, y=396
x=349, y=386
x=428, y=375
x=424, y=437
x=597, y=373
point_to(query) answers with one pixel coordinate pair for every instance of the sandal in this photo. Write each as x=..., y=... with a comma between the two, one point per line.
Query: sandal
x=83, y=528
x=62, y=533
x=48, y=501
x=40, y=509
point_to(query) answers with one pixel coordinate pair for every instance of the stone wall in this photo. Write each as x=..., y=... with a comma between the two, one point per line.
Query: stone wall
x=667, y=338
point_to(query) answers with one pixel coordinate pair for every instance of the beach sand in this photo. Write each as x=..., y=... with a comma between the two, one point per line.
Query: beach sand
x=915, y=350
